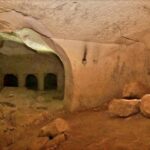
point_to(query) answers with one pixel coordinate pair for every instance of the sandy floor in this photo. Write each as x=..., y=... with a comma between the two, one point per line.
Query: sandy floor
x=20, y=122
x=92, y=130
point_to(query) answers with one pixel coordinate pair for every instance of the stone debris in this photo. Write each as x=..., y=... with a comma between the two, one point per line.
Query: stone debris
x=23, y=115
x=1, y=113
x=40, y=99
x=124, y=107
x=44, y=143
x=51, y=135
x=42, y=117
x=56, y=127
x=38, y=119
x=135, y=90
x=7, y=104
x=38, y=143
x=145, y=105
x=54, y=143
x=41, y=106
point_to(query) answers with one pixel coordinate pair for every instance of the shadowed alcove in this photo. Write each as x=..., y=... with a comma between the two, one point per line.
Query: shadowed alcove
x=51, y=57
x=31, y=82
x=10, y=80
x=50, y=82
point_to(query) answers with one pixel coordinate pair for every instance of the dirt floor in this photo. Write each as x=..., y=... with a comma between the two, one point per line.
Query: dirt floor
x=96, y=130
x=21, y=120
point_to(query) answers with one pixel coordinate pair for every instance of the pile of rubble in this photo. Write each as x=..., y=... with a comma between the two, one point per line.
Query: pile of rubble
x=22, y=113
x=135, y=99
x=51, y=135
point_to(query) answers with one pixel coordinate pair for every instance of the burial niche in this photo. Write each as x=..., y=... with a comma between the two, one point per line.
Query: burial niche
x=31, y=82
x=50, y=81
x=10, y=80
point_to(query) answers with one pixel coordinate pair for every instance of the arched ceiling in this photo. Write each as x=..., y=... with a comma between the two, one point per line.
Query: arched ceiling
x=28, y=37
x=90, y=20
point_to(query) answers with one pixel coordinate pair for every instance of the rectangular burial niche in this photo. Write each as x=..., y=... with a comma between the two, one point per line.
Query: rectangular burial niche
x=31, y=82
x=10, y=80
x=50, y=81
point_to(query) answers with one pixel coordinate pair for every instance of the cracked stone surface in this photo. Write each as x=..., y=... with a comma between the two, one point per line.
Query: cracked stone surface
x=93, y=20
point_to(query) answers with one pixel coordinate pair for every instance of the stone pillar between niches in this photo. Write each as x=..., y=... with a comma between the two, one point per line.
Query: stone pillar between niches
x=1, y=81
x=41, y=81
x=21, y=80
x=60, y=82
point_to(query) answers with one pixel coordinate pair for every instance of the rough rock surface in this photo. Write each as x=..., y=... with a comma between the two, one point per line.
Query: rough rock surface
x=145, y=105
x=42, y=143
x=54, y=128
x=135, y=90
x=97, y=20
x=38, y=144
x=123, y=107
x=20, y=118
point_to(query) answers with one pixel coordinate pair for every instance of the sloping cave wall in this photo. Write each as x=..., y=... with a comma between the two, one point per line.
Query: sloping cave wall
x=107, y=69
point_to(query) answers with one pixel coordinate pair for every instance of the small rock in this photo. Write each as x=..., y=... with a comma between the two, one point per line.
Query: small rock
x=1, y=113
x=11, y=95
x=40, y=106
x=135, y=90
x=40, y=99
x=56, y=141
x=38, y=143
x=8, y=104
x=44, y=143
x=8, y=139
x=145, y=105
x=38, y=119
x=9, y=128
x=44, y=116
x=10, y=115
x=123, y=107
x=54, y=128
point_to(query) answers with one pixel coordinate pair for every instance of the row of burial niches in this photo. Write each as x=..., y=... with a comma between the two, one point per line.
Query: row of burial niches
x=25, y=71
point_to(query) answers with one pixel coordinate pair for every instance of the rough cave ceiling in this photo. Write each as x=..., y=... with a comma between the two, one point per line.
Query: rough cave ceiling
x=28, y=37
x=90, y=20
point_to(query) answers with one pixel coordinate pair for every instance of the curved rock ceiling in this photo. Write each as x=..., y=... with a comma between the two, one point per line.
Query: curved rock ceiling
x=88, y=20
x=29, y=38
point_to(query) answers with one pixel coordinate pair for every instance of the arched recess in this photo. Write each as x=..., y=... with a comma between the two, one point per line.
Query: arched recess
x=10, y=80
x=9, y=24
x=50, y=81
x=31, y=82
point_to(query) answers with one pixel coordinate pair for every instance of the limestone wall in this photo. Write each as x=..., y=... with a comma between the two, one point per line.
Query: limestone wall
x=107, y=69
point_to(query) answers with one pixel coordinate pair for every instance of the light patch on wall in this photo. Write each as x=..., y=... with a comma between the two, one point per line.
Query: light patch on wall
x=10, y=37
x=28, y=37
x=33, y=40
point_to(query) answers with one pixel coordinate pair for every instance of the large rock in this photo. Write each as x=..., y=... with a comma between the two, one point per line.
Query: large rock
x=54, y=128
x=145, y=105
x=123, y=107
x=43, y=143
x=38, y=143
x=56, y=141
x=135, y=90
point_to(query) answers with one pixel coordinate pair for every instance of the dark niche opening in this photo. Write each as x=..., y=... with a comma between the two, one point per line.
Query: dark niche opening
x=31, y=82
x=10, y=80
x=50, y=82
